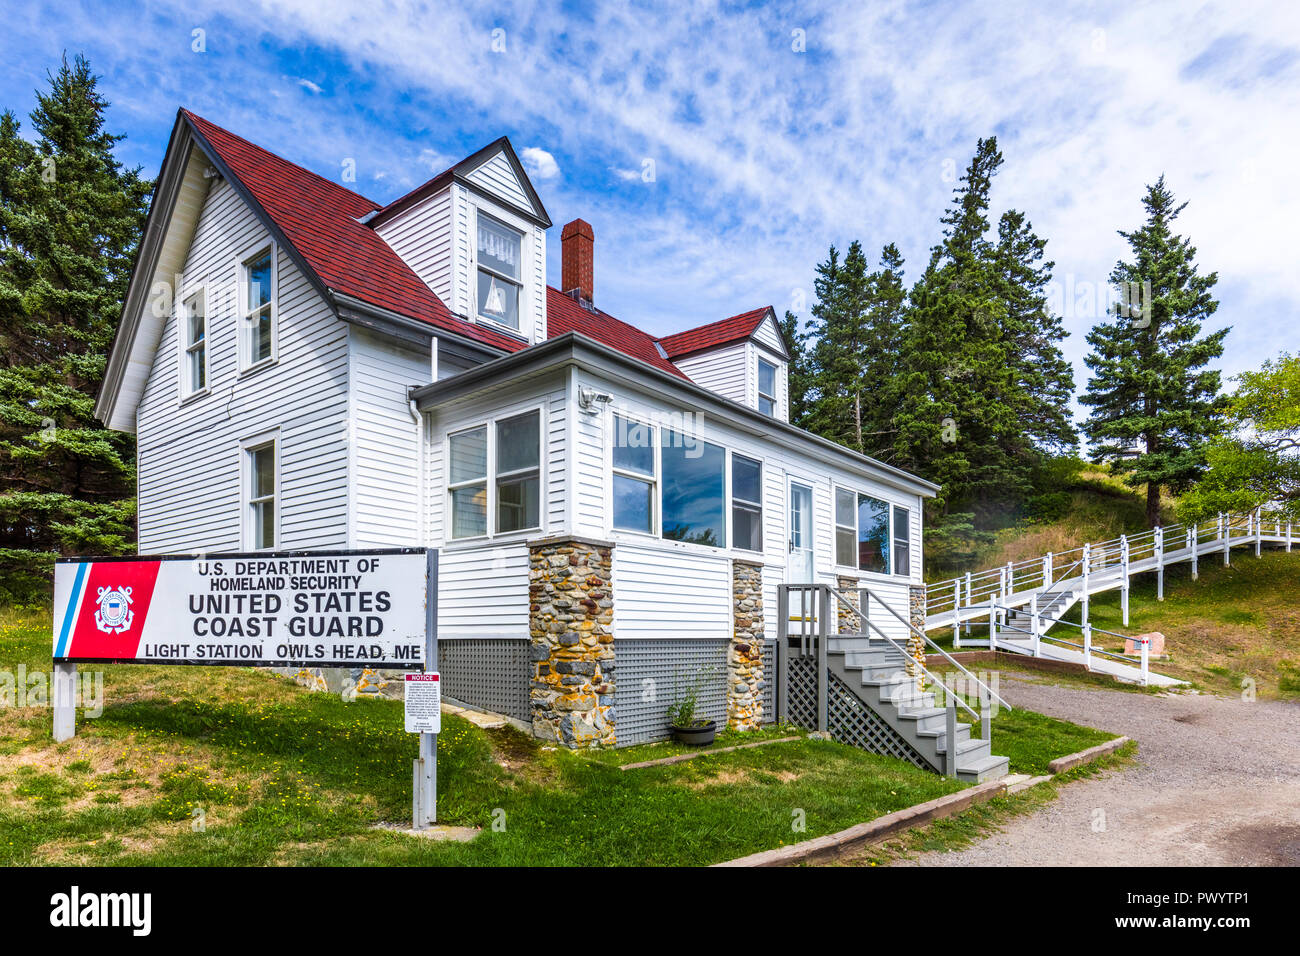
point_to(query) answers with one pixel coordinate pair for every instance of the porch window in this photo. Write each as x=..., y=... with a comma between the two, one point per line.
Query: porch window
x=633, y=460
x=766, y=388
x=902, y=541
x=467, y=482
x=261, y=479
x=873, y=534
x=194, y=326
x=846, y=528
x=864, y=537
x=259, y=308
x=746, y=503
x=518, y=472
x=500, y=251
x=694, y=495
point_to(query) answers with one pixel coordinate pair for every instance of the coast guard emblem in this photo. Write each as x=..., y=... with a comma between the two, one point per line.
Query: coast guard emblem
x=114, y=615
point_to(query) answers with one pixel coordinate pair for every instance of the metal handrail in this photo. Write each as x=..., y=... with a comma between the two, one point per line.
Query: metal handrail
x=1135, y=661
x=919, y=633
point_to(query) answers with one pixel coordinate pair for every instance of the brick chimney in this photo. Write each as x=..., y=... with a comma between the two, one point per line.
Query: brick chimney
x=577, y=259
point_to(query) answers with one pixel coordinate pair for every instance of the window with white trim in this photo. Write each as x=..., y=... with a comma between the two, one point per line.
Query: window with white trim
x=767, y=388
x=500, y=271
x=870, y=534
x=746, y=503
x=693, y=492
x=261, y=469
x=633, y=461
x=518, y=467
x=902, y=541
x=194, y=329
x=508, y=450
x=258, y=307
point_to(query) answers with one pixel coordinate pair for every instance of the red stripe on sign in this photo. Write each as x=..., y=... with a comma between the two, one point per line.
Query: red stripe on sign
x=114, y=609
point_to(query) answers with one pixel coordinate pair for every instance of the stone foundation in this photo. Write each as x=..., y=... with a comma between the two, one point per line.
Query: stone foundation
x=847, y=622
x=745, y=679
x=571, y=613
x=915, y=645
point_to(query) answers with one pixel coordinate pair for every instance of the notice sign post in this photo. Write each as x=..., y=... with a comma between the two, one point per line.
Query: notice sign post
x=282, y=609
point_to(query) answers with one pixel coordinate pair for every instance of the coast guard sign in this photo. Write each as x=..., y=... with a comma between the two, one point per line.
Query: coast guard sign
x=289, y=609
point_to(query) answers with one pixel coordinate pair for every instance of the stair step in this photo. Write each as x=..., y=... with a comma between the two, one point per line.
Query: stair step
x=965, y=747
x=986, y=768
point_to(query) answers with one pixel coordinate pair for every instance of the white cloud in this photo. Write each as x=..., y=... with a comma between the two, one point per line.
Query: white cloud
x=763, y=156
x=539, y=163
x=309, y=86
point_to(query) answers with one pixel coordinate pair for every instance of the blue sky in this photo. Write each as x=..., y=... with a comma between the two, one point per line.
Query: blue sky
x=772, y=130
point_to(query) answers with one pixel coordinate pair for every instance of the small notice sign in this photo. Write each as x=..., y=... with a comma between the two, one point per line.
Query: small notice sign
x=423, y=704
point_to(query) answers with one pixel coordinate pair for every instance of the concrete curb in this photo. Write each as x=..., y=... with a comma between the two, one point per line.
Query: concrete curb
x=835, y=845
x=1070, y=761
x=678, y=758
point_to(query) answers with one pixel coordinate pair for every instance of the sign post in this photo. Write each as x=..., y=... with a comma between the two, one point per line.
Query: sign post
x=423, y=706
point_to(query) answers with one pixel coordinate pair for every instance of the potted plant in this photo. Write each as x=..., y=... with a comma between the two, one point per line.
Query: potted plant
x=687, y=726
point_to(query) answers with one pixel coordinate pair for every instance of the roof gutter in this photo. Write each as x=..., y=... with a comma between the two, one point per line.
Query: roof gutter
x=573, y=348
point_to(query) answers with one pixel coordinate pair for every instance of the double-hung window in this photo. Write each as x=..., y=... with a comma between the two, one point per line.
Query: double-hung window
x=633, y=460
x=260, y=476
x=258, y=307
x=766, y=388
x=902, y=541
x=694, y=493
x=864, y=537
x=746, y=503
x=518, y=468
x=508, y=452
x=500, y=273
x=194, y=328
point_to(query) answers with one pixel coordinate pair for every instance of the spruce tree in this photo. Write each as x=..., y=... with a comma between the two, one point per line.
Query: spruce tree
x=799, y=374
x=1154, y=402
x=958, y=422
x=70, y=220
x=1044, y=380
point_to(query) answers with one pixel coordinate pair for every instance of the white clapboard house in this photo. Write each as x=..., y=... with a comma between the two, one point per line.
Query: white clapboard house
x=304, y=368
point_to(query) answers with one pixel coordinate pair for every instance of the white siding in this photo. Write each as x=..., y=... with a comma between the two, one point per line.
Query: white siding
x=385, y=441
x=661, y=592
x=782, y=380
x=190, y=455
x=498, y=177
x=421, y=236
x=768, y=334
x=722, y=370
x=483, y=592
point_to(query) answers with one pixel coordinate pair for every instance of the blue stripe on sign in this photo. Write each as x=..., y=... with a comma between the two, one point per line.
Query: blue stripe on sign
x=72, y=609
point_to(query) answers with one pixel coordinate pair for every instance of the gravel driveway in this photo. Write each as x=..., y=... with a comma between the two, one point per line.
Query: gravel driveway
x=1216, y=782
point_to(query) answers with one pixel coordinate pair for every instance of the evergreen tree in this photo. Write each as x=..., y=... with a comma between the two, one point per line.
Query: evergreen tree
x=1154, y=403
x=800, y=371
x=959, y=419
x=1044, y=379
x=840, y=326
x=70, y=219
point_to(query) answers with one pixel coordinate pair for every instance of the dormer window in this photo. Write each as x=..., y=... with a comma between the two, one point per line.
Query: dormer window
x=500, y=253
x=767, y=388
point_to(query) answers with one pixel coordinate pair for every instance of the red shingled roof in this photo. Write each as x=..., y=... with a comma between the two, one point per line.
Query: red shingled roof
x=319, y=218
x=563, y=314
x=714, y=334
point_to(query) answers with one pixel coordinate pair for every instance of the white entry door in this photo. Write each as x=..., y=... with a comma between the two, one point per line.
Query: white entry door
x=802, y=564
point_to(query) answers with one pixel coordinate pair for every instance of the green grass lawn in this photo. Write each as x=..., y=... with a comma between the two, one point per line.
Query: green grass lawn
x=226, y=766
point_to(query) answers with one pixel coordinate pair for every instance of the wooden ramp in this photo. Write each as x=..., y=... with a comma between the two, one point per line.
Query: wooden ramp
x=1021, y=607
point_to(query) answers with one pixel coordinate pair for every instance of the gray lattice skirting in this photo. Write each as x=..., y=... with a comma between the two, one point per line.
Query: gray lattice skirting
x=654, y=672
x=491, y=673
x=848, y=719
